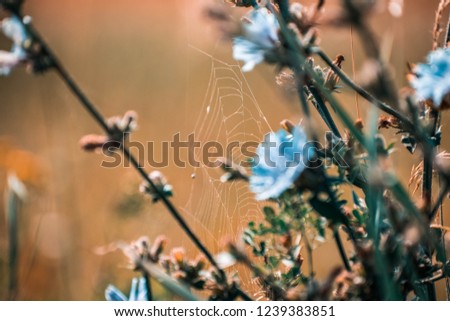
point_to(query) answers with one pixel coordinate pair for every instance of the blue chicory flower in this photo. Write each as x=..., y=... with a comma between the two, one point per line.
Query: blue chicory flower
x=138, y=292
x=432, y=79
x=14, y=29
x=260, y=35
x=280, y=160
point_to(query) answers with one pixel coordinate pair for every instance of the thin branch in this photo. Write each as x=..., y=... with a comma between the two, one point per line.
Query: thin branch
x=361, y=91
x=341, y=249
x=443, y=193
x=319, y=103
x=148, y=285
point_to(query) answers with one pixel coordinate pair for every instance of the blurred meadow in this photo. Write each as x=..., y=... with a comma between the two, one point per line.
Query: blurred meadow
x=166, y=61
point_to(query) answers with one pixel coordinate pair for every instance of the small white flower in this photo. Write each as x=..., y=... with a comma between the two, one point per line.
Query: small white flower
x=14, y=29
x=260, y=35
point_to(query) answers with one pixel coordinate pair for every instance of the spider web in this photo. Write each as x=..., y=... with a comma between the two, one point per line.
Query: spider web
x=229, y=113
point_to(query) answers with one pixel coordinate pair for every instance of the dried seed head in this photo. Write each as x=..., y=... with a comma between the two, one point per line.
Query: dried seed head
x=359, y=124
x=160, y=182
x=287, y=81
x=387, y=122
x=158, y=178
x=178, y=255
x=158, y=247
x=98, y=143
x=331, y=78
x=92, y=143
x=121, y=126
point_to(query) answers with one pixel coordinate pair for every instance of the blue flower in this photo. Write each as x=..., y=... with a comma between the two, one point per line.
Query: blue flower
x=280, y=160
x=432, y=79
x=14, y=29
x=259, y=35
x=138, y=292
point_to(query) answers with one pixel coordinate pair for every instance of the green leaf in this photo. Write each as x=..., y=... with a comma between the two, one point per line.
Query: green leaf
x=358, y=216
x=328, y=210
x=273, y=261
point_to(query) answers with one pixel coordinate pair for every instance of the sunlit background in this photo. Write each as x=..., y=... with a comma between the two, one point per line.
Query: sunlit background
x=166, y=61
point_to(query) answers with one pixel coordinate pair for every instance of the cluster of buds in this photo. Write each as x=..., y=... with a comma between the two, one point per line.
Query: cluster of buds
x=119, y=128
x=195, y=274
x=122, y=126
x=142, y=250
x=190, y=272
x=160, y=182
x=328, y=77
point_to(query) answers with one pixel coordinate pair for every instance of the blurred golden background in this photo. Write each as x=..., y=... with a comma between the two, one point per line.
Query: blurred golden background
x=164, y=60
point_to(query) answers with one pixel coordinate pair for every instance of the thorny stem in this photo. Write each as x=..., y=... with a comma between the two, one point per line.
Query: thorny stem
x=94, y=112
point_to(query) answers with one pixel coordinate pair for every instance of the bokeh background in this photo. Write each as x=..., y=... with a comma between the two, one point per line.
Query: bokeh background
x=164, y=60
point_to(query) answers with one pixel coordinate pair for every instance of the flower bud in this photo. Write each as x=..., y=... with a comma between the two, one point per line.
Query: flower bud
x=160, y=182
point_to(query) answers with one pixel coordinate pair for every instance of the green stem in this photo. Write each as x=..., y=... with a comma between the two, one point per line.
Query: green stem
x=148, y=285
x=319, y=103
x=306, y=111
x=442, y=194
x=361, y=91
x=341, y=249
